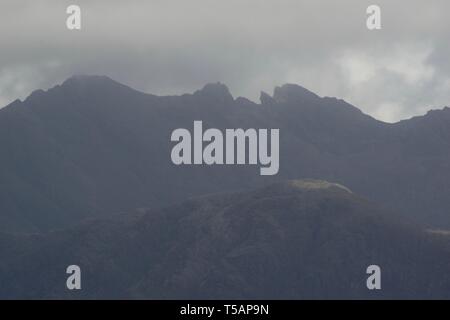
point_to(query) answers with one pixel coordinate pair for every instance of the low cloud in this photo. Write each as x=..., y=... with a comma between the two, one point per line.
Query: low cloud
x=172, y=47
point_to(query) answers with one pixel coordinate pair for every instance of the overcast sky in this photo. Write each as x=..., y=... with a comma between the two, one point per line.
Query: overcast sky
x=174, y=47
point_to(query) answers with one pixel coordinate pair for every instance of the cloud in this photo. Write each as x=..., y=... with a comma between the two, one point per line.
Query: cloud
x=390, y=86
x=176, y=46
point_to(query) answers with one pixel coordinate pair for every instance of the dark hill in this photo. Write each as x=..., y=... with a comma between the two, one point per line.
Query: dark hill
x=295, y=239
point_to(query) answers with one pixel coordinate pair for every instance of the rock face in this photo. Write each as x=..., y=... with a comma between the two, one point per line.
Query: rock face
x=215, y=92
x=290, y=240
x=93, y=147
x=266, y=99
x=293, y=93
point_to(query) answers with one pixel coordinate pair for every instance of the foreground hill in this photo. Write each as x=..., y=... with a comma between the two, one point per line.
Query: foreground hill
x=295, y=239
x=91, y=147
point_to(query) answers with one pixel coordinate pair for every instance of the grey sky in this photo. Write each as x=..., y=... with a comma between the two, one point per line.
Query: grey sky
x=172, y=47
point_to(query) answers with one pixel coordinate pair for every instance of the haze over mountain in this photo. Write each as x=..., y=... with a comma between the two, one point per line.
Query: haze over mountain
x=93, y=147
x=294, y=239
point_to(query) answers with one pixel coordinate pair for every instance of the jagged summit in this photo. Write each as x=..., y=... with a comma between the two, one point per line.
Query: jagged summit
x=215, y=91
x=91, y=79
x=287, y=93
x=81, y=83
x=94, y=82
x=266, y=99
x=292, y=93
x=432, y=115
x=35, y=94
x=439, y=112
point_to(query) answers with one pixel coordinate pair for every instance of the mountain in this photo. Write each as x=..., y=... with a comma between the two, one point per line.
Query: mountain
x=288, y=240
x=92, y=147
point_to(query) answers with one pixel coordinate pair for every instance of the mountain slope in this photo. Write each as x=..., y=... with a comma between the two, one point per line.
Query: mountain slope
x=91, y=147
x=291, y=240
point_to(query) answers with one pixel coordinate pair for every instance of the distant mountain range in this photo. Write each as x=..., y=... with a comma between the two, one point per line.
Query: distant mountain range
x=92, y=147
x=289, y=240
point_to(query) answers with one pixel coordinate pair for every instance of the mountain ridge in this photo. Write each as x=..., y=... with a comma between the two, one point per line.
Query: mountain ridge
x=78, y=151
x=283, y=93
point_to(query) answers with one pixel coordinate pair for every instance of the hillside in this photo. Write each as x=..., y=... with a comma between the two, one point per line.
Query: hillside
x=290, y=240
x=92, y=147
